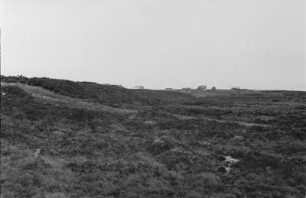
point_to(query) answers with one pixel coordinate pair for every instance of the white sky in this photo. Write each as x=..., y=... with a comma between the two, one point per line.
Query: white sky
x=256, y=44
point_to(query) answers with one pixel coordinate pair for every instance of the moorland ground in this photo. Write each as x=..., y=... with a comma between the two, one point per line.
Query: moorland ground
x=107, y=141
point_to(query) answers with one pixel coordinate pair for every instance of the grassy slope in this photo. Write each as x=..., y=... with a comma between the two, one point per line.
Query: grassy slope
x=151, y=153
x=105, y=94
x=57, y=99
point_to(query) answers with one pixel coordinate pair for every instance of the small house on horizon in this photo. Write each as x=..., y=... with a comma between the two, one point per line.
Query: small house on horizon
x=186, y=89
x=139, y=87
x=202, y=88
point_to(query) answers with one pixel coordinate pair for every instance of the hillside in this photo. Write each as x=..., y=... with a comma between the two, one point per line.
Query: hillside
x=107, y=141
x=104, y=94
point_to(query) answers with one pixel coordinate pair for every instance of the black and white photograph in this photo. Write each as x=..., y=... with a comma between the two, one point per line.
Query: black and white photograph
x=153, y=99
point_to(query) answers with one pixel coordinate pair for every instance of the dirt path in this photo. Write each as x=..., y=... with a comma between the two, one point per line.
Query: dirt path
x=247, y=124
x=51, y=97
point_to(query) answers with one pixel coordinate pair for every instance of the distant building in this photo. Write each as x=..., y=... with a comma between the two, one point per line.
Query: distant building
x=202, y=88
x=186, y=89
x=169, y=89
x=139, y=87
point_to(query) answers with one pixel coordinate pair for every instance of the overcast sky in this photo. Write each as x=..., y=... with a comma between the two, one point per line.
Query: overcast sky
x=256, y=44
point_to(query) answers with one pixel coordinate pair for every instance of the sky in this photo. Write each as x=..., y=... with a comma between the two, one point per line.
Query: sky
x=255, y=44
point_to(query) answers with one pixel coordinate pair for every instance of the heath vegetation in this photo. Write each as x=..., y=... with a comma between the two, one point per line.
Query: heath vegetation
x=108, y=141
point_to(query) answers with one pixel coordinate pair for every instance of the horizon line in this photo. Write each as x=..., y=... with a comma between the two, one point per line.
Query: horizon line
x=161, y=89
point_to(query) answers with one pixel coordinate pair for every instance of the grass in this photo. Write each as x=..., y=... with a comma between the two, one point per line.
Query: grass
x=155, y=151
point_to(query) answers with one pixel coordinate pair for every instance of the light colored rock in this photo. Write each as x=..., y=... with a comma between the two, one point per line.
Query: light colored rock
x=36, y=154
x=158, y=141
x=228, y=169
x=230, y=160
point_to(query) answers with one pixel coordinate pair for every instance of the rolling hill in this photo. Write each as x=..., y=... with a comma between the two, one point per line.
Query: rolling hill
x=62, y=139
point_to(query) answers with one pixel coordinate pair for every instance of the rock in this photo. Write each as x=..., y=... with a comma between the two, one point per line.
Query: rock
x=229, y=159
x=228, y=169
x=36, y=154
x=158, y=141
